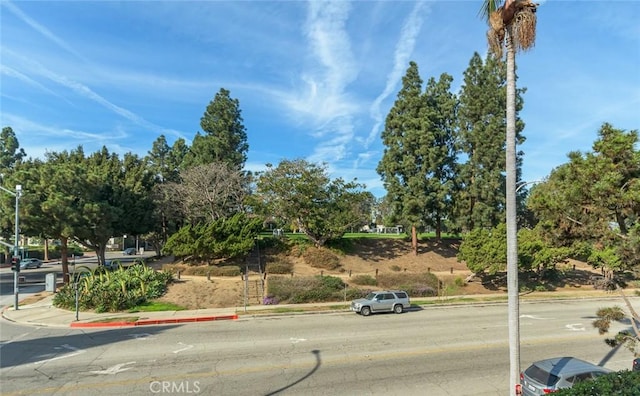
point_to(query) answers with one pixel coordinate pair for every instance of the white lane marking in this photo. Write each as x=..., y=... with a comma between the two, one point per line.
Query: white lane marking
x=575, y=327
x=297, y=340
x=534, y=317
x=118, y=368
x=76, y=351
x=184, y=348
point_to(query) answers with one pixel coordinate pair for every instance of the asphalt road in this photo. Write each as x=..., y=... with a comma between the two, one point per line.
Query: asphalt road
x=433, y=351
x=34, y=279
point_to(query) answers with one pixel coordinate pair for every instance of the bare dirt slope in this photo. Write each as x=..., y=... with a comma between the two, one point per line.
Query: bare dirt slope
x=367, y=257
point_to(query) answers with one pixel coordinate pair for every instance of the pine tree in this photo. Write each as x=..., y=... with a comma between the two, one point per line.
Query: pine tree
x=224, y=138
x=440, y=151
x=402, y=166
x=481, y=198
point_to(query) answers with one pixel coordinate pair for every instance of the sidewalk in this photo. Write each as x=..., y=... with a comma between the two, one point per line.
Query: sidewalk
x=43, y=313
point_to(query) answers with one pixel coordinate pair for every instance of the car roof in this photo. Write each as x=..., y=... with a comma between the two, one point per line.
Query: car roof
x=567, y=366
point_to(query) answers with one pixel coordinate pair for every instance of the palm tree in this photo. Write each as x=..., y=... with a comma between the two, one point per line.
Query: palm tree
x=512, y=26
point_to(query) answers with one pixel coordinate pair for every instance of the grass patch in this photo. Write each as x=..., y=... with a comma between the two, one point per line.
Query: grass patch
x=156, y=306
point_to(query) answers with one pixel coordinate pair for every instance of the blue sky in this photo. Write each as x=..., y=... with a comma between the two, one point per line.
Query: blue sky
x=315, y=80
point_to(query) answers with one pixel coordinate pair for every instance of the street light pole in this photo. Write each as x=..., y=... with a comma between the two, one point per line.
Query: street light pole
x=16, y=249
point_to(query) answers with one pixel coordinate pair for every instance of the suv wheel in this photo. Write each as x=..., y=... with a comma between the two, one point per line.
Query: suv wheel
x=398, y=308
x=365, y=311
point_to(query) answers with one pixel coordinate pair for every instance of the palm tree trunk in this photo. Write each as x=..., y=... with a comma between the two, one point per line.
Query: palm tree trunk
x=512, y=230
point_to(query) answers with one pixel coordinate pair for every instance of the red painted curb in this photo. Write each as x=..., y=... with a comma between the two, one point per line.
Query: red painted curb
x=145, y=322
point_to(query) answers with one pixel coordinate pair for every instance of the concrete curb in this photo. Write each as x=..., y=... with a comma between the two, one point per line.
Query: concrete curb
x=146, y=322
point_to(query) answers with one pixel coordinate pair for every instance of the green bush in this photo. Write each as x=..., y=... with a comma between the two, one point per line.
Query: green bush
x=227, y=270
x=305, y=289
x=111, y=291
x=280, y=265
x=621, y=383
x=321, y=258
x=354, y=293
x=396, y=268
x=367, y=280
x=417, y=285
x=459, y=282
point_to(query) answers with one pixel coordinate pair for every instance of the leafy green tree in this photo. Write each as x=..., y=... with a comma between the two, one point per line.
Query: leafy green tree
x=113, y=199
x=402, y=166
x=480, y=201
x=484, y=251
x=225, y=137
x=50, y=200
x=595, y=198
x=302, y=194
x=224, y=238
x=11, y=155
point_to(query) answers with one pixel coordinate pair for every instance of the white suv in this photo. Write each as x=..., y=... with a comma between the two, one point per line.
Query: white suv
x=382, y=301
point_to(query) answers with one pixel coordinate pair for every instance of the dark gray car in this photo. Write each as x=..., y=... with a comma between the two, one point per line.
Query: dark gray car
x=382, y=301
x=549, y=375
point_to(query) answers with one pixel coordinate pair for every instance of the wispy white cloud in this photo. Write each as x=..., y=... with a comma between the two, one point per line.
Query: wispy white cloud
x=41, y=29
x=9, y=72
x=404, y=49
x=77, y=87
x=323, y=104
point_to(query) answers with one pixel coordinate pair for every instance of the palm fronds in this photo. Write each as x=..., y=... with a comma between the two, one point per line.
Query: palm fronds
x=524, y=28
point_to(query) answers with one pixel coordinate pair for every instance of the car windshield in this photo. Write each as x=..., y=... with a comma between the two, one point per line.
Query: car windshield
x=370, y=296
x=541, y=376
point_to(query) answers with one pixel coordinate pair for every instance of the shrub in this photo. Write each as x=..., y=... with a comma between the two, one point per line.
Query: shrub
x=114, y=291
x=321, y=258
x=395, y=268
x=459, y=282
x=355, y=293
x=270, y=300
x=227, y=270
x=305, y=289
x=281, y=265
x=622, y=383
x=417, y=285
x=367, y=280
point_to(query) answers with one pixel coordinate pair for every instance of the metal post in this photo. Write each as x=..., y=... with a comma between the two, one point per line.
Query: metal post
x=16, y=249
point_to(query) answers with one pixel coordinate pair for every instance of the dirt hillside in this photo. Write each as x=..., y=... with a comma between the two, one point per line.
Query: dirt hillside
x=367, y=257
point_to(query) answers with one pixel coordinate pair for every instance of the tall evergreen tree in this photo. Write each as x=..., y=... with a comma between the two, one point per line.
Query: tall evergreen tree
x=440, y=152
x=481, y=198
x=402, y=166
x=10, y=151
x=164, y=162
x=224, y=138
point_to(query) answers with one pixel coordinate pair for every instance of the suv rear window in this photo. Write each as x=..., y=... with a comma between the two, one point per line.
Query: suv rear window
x=401, y=295
x=541, y=376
